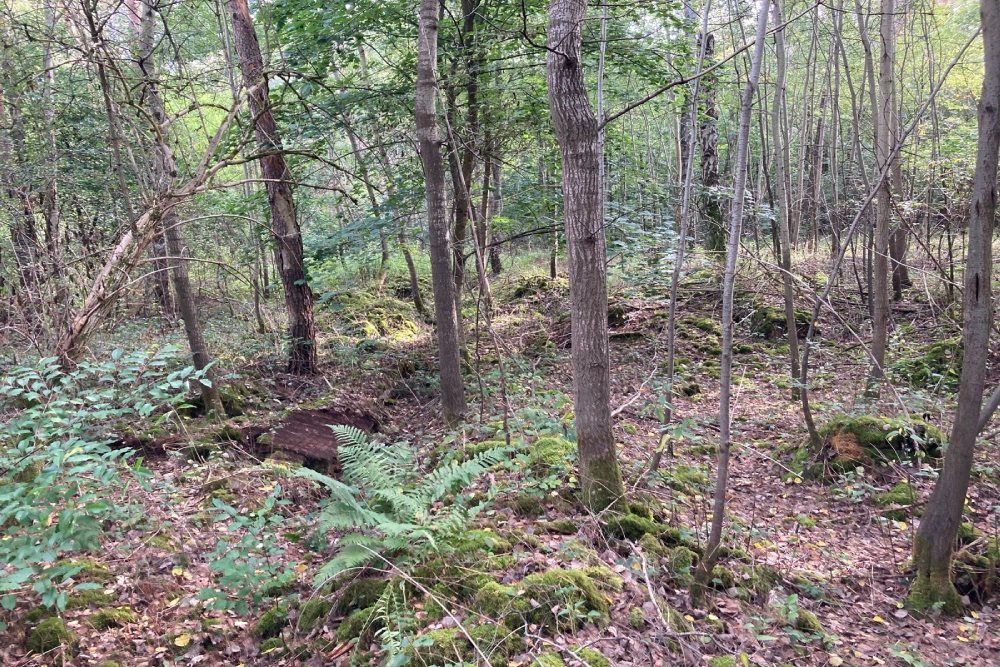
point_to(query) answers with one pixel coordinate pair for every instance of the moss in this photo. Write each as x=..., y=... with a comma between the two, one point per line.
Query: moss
x=722, y=661
x=882, y=437
x=681, y=561
x=313, y=612
x=537, y=286
x=451, y=645
x=544, y=599
x=375, y=316
x=898, y=500
x=271, y=623
x=560, y=526
x=358, y=594
x=723, y=578
x=89, y=570
x=50, y=634
x=603, y=489
x=688, y=479
x=112, y=617
x=938, y=366
x=360, y=623
x=272, y=646
x=703, y=324
x=34, y=615
x=652, y=546
x=109, y=663
x=550, y=452
x=278, y=587
x=549, y=659
x=928, y=593
x=590, y=657
x=806, y=621
x=476, y=541
x=805, y=521
x=475, y=449
x=769, y=322
x=84, y=599
x=631, y=526
x=759, y=580
x=636, y=618
x=528, y=506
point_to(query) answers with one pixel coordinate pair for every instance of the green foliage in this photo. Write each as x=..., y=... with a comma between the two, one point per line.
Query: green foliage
x=249, y=560
x=939, y=365
x=391, y=509
x=61, y=475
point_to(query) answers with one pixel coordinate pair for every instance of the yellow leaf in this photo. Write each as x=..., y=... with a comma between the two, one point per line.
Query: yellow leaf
x=797, y=480
x=901, y=525
x=974, y=614
x=961, y=638
x=879, y=619
x=836, y=660
x=182, y=640
x=177, y=571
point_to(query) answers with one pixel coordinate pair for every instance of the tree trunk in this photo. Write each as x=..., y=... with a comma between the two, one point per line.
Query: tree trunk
x=164, y=172
x=704, y=572
x=449, y=356
x=883, y=210
x=576, y=130
x=708, y=139
x=934, y=543
x=284, y=225
x=782, y=198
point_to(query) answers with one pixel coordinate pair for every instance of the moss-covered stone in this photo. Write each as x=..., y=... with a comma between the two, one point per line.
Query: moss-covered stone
x=560, y=526
x=681, y=561
x=549, y=659
x=806, y=621
x=636, y=618
x=631, y=526
x=555, y=600
x=546, y=454
x=360, y=623
x=271, y=623
x=472, y=542
x=376, y=316
x=272, y=646
x=722, y=661
x=538, y=286
x=863, y=439
x=688, y=479
x=50, y=634
x=112, y=617
x=723, y=578
x=89, y=570
x=590, y=657
x=91, y=598
x=358, y=594
x=452, y=645
x=937, y=366
x=527, y=505
x=897, y=501
x=313, y=612
x=769, y=322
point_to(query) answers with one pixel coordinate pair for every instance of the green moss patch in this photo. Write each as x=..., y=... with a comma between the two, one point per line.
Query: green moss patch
x=556, y=600
x=450, y=646
x=375, y=316
x=50, y=634
x=853, y=440
x=313, y=612
x=271, y=623
x=358, y=594
x=112, y=617
x=939, y=365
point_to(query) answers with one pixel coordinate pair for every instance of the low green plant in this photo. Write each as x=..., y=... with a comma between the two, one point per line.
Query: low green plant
x=389, y=507
x=248, y=562
x=63, y=483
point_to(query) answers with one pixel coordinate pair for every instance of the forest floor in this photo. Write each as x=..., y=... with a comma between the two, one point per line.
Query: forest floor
x=796, y=545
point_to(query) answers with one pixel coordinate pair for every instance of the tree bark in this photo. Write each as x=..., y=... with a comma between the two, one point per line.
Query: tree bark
x=576, y=130
x=704, y=572
x=885, y=113
x=708, y=140
x=449, y=356
x=164, y=172
x=933, y=545
x=284, y=224
x=782, y=198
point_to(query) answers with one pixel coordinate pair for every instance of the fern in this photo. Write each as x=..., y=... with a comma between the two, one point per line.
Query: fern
x=386, y=509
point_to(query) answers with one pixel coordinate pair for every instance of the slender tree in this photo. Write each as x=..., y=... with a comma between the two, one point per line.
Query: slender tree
x=446, y=312
x=933, y=546
x=576, y=130
x=278, y=179
x=704, y=571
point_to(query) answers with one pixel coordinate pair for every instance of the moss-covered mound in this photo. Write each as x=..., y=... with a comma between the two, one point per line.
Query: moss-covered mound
x=50, y=634
x=897, y=502
x=853, y=440
x=536, y=287
x=375, y=316
x=556, y=600
x=769, y=322
x=112, y=617
x=451, y=646
x=938, y=366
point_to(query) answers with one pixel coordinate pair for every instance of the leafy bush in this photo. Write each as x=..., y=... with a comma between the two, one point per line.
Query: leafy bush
x=59, y=474
x=390, y=507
